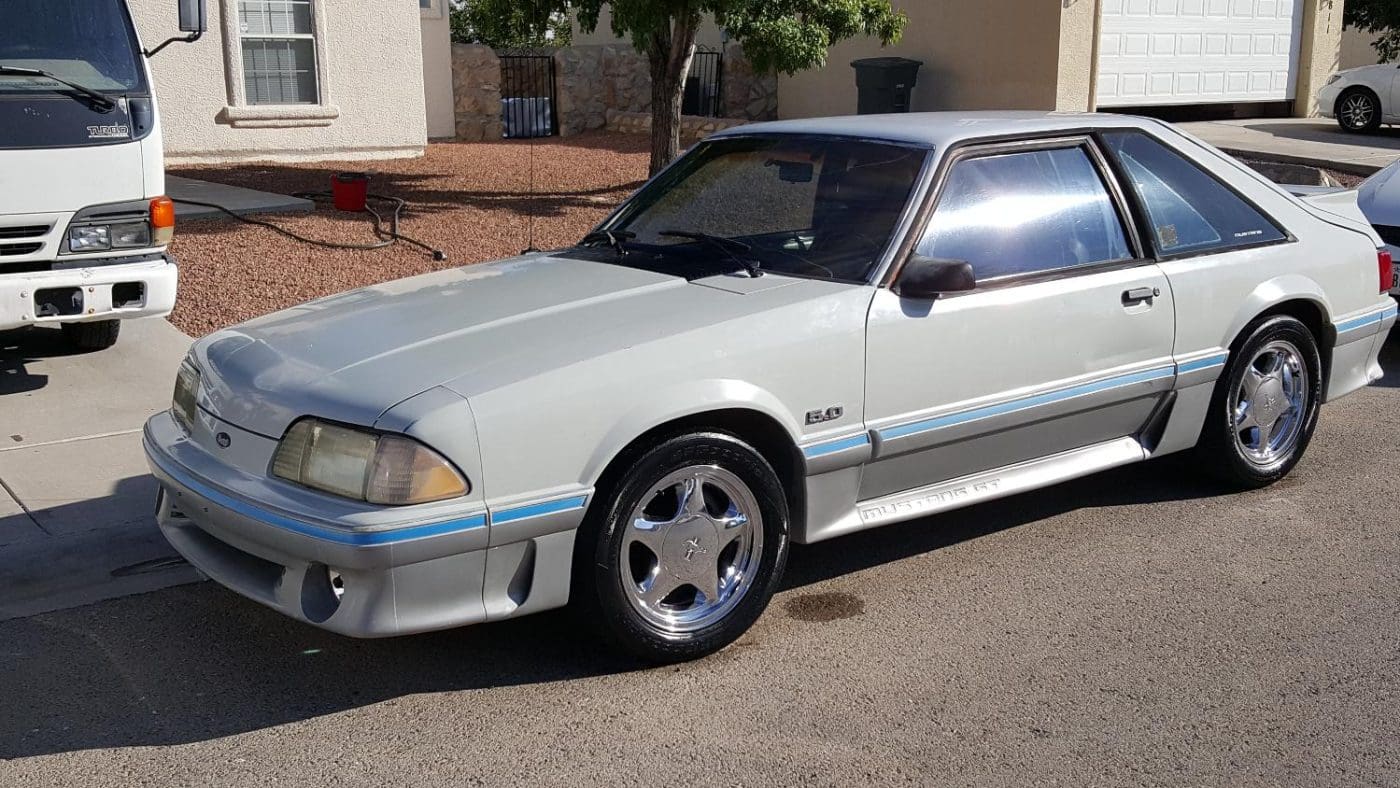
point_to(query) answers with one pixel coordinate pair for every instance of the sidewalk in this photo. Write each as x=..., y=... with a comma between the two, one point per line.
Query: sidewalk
x=1316, y=142
x=76, y=498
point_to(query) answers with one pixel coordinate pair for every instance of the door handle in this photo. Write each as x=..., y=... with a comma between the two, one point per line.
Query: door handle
x=1137, y=295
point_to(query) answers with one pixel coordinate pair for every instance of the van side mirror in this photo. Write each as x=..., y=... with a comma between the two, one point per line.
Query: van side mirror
x=926, y=278
x=193, y=16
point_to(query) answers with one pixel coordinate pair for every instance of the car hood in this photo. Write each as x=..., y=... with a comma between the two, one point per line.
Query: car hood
x=1379, y=196
x=350, y=357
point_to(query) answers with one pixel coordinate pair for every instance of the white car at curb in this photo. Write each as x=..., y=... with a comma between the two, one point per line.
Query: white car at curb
x=799, y=330
x=1379, y=199
x=1361, y=99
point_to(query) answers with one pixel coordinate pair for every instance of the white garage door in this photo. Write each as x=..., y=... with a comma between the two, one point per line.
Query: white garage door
x=1198, y=51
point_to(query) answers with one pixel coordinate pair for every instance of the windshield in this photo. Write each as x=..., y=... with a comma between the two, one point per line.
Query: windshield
x=89, y=42
x=808, y=206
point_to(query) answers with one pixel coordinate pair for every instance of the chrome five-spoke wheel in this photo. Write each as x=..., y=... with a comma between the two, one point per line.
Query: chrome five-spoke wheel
x=1270, y=403
x=691, y=548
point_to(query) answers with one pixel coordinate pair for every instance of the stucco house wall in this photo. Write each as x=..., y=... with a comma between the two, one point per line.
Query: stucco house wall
x=1357, y=49
x=991, y=54
x=437, y=69
x=370, y=77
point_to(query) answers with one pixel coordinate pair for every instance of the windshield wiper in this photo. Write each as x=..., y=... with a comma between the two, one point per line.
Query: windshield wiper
x=727, y=245
x=614, y=238
x=102, y=100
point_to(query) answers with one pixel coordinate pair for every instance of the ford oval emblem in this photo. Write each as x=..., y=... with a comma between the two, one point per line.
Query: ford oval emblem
x=223, y=440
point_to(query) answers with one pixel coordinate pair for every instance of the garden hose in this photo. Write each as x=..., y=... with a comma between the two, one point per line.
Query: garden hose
x=387, y=237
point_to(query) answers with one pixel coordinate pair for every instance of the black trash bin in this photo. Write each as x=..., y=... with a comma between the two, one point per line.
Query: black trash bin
x=883, y=84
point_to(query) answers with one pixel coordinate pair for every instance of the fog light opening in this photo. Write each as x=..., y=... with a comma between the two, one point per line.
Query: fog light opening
x=321, y=591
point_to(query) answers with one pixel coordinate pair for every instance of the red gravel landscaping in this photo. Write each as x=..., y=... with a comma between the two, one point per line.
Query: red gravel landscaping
x=468, y=199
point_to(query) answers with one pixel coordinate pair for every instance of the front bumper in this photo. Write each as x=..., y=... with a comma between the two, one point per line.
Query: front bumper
x=1327, y=99
x=157, y=278
x=411, y=575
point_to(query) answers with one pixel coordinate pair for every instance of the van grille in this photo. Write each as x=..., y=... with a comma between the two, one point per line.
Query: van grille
x=30, y=231
x=22, y=239
x=15, y=250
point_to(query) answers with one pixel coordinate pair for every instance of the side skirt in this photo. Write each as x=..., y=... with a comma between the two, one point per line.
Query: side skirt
x=984, y=486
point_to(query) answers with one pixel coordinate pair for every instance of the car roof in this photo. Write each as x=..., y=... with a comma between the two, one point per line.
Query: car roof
x=940, y=129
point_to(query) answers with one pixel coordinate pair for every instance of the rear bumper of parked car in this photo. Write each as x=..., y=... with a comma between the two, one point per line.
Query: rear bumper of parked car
x=408, y=578
x=108, y=292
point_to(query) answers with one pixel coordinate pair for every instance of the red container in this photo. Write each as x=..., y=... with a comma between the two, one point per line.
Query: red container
x=349, y=190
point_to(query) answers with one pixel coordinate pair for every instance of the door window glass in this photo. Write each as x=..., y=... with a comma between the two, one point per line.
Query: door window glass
x=1025, y=212
x=1189, y=210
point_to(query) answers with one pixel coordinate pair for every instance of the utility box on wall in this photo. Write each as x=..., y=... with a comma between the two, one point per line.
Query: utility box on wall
x=884, y=84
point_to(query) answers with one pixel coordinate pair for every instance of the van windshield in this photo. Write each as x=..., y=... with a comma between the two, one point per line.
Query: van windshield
x=90, y=42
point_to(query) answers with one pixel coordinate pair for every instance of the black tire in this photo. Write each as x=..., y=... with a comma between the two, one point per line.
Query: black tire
x=98, y=335
x=1358, y=111
x=1220, y=450
x=600, y=574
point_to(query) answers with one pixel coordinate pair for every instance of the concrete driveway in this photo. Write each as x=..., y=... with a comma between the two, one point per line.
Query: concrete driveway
x=75, y=495
x=1315, y=142
x=1140, y=627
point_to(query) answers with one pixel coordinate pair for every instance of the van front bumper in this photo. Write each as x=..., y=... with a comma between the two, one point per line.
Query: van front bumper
x=20, y=293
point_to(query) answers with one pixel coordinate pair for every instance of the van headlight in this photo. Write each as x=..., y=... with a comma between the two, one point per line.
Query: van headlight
x=186, y=397
x=380, y=468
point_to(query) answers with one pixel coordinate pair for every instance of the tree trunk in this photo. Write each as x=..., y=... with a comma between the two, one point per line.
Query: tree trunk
x=669, y=56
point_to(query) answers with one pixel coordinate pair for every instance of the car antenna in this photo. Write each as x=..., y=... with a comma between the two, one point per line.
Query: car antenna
x=530, y=201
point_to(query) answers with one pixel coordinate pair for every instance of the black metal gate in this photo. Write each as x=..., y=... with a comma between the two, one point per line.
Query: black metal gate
x=527, y=95
x=704, y=86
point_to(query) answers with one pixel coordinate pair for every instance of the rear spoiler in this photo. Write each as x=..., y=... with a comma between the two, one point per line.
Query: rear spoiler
x=1331, y=203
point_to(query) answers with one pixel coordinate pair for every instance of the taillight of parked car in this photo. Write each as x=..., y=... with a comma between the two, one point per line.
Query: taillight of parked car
x=1387, y=271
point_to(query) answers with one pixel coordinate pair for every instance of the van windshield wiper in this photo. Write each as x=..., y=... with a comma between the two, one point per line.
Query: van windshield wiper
x=727, y=245
x=102, y=100
x=615, y=238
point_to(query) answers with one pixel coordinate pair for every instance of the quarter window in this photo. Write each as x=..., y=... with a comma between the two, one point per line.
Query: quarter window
x=1025, y=212
x=279, y=51
x=1190, y=211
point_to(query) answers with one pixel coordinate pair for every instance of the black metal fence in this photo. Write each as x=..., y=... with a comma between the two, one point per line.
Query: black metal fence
x=528, y=104
x=704, y=87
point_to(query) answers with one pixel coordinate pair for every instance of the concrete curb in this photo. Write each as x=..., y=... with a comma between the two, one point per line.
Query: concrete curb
x=1351, y=168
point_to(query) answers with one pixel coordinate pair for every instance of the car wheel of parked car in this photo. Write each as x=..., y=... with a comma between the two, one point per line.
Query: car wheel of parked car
x=1358, y=110
x=681, y=556
x=1265, y=407
x=92, y=336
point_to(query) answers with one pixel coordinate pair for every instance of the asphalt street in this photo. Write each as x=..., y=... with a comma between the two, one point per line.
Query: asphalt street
x=1140, y=627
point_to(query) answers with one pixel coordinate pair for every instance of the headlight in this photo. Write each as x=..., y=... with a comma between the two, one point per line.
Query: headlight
x=90, y=239
x=186, y=397
x=1333, y=78
x=379, y=468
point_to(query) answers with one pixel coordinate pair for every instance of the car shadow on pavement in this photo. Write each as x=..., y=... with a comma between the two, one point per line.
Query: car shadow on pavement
x=24, y=345
x=198, y=662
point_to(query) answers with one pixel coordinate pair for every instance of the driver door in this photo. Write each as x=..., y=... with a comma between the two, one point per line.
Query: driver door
x=1065, y=342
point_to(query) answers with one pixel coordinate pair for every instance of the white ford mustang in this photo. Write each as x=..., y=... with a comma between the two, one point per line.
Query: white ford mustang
x=799, y=330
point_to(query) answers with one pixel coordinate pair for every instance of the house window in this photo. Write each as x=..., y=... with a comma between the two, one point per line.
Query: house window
x=278, y=44
x=430, y=8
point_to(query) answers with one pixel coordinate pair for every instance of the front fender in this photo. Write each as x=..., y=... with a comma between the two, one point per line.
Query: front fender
x=679, y=401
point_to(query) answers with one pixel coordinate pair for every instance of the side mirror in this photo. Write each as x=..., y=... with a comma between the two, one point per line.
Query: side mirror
x=193, y=16
x=926, y=278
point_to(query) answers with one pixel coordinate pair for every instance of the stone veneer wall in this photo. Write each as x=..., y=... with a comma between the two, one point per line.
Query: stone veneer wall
x=601, y=86
x=693, y=127
x=476, y=87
